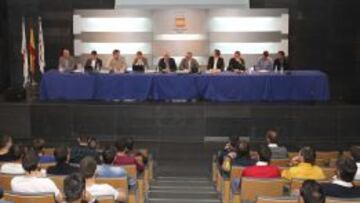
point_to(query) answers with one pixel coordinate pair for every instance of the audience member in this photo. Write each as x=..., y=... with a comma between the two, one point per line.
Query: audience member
x=243, y=157
x=236, y=63
x=15, y=167
x=355, y=153
x=312, y=192
x=230, y=147
x=92, y=143
x=5, y=145
x=62, y=166
x=94, y=63
x=304, y=166
x=74, y=189
x=34, y=181
x=81, y=150
x=278, y=152
x=38, y=145
x=342, y=186
x=122, y=158
x=264, y=62
x=216, y=62
x=107, y=169
x=88, y=169
x=131, y=151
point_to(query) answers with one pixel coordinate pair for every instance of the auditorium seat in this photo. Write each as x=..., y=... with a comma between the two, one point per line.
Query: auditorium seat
x=357, y=183
x=48, y=151
x=285, y=199
x=327, y=155
x=59, y=181
x=105, y=199
x=5, y=181
x=122, y=183
x=280, y=162
x=329, y=172
x=27, y=198
x=292, y=154
x=339, y=200
x=296, y=184
x=46, y=165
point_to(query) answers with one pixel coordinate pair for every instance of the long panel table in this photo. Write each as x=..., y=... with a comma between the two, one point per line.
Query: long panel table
x=223, y=87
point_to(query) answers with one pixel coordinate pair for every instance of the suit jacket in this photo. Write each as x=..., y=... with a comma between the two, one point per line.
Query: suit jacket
x=236, y=65
x=284, y=63
x=98, y=65
x=140, y=68
x=172, y=64
x=194, y=65
x=220, y=64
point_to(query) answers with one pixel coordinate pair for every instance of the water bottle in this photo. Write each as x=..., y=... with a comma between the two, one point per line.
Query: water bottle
x=282, y=69
x=276, y=69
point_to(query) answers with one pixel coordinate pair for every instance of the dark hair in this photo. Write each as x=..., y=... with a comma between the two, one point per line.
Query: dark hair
x=346, y=168
x=61, y=154
x=62, y=51
x=109, y=155
x=217, y=52
x=74, y=187
x=312, y=192
x=308, y=154
x=264, y=154
x=234, y=140
x=83, y=138
x=90, y=140
x=88, y=167
x=120, y=145
x=38, y=144
x=282, y=53
x=266, y=53
x=30, y=161
x=4, y=140
x=17, y=151
x=355, y=153
x=272, y=136
x=243, y=149
x=93, y=52
x=139, y=53
x=116, y=51
x=129, y=142
x=237, y=52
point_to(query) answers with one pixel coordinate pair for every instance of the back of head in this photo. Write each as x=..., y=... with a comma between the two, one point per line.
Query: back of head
x=61, y=154
x=308, y=154
x=82, y=138
x=312, y=192
x=4, y=141
x=355, y=153
x=120, y=145
x=244, y=149
x=264, y=154
x=346, y=169
x=74, y=187
x=272, y=136
x=17, y=151
x=38, y=144
x=234, y=140
x=30, y=161
x=129, y=142
x=109, y=155
x=88, y=167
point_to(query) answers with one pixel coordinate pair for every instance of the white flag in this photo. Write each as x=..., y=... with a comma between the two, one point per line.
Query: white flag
x=24, y=54
x=41, y=48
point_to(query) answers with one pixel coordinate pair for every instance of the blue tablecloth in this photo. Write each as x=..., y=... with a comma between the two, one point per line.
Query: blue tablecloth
x=294, y=86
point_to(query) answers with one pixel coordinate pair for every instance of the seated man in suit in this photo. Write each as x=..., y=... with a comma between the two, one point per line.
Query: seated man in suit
x=281, y=61
x=303, y=166
x=117, y=63
x=189, y=63
x=264, y=62
x=342, y=186
x=278, y=152
x=140, y=63
x=236, y=63
x=216, y=62
x=355, y=153
x=311, y=192
x=167, y=64
x=94, y=63
x=66, y=61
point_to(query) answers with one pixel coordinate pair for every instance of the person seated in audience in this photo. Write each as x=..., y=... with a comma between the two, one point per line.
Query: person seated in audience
x=216, y=62
x=66, y=61
x=281, y=61
x=265, y=62
x=311, y=192
x=355, y=153
x=303, y=166
x=140, y=63
x=62, y=166
x=94, y=63
x=167, y=64
x=15, y=167
x=74, y=189
x=38, y=145
x=34, y=181
x=190, y=64
x=88, y=169
x=236, y=63
x=243, y=157
x=122, y=158
x=92, y=143
x=5, y=146
x=231, y=146
x=131, y=151
x=81, y=150
x=278, y=152
x=117, y=63
x=342, y=186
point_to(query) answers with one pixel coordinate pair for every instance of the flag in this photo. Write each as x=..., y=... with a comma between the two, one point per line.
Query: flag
x=41, y=48
x=32, y=51
x=24, y=54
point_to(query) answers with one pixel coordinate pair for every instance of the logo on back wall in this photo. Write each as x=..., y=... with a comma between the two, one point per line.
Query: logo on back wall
x=180, y=23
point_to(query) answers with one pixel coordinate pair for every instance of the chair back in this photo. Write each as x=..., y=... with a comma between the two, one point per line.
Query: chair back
x=59, y=181
x=339, y=200
x=357, y=183
x=236, y=172
x=251, y=188
x=329, y=172
x=105, y=199
x=287, y=199
x=131, y=170
x=292, y=154
x=48, y=151
x=114, y=182
x=296, y=184
x=327, y=155
x=46, y=165
x=5, y=181
x=280, y=162
x=29, y=198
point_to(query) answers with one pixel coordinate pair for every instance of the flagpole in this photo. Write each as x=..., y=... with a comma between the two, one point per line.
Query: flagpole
x=41, y=47
x=24, y=54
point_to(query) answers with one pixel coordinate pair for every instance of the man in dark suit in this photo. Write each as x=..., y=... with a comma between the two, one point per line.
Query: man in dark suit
x=216, y=62
x=281, y=61
x=167, y=64
x=237, y=63
x=93, y=63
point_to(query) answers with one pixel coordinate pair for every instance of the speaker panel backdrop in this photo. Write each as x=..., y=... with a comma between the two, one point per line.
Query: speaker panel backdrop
x=178, y=30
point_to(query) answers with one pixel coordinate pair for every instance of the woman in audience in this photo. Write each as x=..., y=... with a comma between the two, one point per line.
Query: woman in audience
x=74, y=189
x=5, y=145
x=33, y=181
x=312, y=192
x=131, y=151
x=38, y=145
x=62, y=166
x=243, y=157
x=15, y=167
x=304, y=166
x=122, y=158
x=342, y=186
x=355, y=153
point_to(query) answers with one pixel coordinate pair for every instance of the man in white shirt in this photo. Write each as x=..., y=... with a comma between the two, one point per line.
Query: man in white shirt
x=355, y=153
x=265, y=62
x=14, y=168
x=216, y=62
x=34, y=181
x=88, y=169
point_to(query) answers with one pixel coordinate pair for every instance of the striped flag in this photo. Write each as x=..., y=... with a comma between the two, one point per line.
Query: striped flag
x=41, y=48
x=24, y=54
x=32, y=52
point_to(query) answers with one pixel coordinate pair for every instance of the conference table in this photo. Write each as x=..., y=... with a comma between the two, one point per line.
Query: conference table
x=291, y=86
